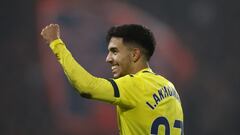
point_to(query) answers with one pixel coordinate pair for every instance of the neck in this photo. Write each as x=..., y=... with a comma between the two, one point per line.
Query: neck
x=138, y=67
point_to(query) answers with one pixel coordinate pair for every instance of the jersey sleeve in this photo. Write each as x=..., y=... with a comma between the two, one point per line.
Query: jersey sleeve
x=86, y=84
x=129, y=88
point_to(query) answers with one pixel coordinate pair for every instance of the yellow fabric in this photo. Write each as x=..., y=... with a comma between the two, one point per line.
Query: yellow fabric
x=87, y=85
x=145, y=100
x=144, y=97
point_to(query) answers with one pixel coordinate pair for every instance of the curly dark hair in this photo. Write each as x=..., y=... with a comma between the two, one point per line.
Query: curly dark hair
x=134, y=33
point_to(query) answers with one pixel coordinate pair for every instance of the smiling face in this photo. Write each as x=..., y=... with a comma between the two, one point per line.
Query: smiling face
x=119, y=56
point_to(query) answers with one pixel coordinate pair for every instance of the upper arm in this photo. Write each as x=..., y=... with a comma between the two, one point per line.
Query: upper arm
x=99, y=89
x=122, y=92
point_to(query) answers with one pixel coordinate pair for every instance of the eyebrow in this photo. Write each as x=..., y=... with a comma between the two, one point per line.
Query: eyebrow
x=113, y=49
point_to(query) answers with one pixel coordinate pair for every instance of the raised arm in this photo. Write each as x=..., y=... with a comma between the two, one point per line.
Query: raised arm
x=88, y=85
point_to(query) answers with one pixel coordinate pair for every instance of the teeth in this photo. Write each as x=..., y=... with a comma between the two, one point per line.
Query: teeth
x=113, y=67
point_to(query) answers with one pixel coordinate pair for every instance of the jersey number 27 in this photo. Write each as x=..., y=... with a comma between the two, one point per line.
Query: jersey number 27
x=164, y=122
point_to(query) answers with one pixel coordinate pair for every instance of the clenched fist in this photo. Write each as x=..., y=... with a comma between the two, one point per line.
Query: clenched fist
x=51, y=32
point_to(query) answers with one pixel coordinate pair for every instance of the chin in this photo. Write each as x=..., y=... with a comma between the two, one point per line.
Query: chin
x=115, y=76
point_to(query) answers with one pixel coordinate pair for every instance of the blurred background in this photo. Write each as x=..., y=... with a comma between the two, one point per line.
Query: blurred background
x=198, y=42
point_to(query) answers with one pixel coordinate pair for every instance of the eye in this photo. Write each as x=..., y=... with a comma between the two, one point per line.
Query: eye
x=114, y=51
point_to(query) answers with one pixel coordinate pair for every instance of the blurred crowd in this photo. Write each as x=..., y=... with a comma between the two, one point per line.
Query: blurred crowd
x=197, y=50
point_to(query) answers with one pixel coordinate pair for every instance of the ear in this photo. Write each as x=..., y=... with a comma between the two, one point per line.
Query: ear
x=136, y=54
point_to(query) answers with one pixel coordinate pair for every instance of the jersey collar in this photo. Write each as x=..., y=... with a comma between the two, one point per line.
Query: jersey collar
x=145, y=70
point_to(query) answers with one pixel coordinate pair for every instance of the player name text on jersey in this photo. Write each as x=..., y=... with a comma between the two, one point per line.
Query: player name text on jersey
x=161, y=94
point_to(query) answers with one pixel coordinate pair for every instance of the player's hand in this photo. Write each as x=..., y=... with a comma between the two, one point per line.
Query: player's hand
x=51, y=33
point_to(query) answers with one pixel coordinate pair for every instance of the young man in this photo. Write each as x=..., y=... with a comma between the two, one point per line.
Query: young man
x=146, y=103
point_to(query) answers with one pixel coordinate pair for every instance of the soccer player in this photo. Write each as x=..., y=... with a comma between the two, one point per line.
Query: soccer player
x=146, y=103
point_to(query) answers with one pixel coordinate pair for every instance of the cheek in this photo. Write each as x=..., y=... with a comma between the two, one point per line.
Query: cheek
x=125, y=62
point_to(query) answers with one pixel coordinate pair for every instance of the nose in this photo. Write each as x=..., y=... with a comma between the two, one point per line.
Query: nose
x=109, y=58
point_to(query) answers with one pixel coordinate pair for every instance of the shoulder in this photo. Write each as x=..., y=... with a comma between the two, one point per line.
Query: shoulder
x=128, y=80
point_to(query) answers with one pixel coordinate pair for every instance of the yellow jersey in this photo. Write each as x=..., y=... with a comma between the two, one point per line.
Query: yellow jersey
x=147, y=103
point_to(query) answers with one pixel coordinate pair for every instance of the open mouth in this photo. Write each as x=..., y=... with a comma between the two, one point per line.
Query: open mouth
x=114, y=68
